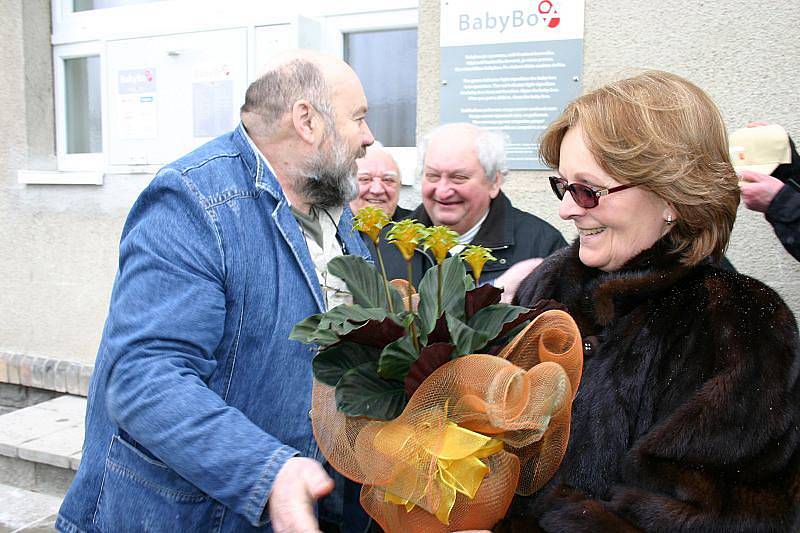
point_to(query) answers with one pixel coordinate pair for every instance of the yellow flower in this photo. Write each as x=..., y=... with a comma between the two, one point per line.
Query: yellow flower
x=370, y=220
x=440, y=240
x=476, y=257
x=406, y=235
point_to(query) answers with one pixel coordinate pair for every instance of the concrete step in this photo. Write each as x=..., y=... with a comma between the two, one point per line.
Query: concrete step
x=27, y=511
x=40, y=445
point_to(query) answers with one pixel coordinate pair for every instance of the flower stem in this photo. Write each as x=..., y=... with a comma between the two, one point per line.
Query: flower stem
x=411, y=307
x=439, y=293
x=385, y=281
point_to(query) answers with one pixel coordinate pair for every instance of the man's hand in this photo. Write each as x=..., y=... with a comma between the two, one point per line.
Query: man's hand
x=299, y=483
x=511, y=278
x=758, y=189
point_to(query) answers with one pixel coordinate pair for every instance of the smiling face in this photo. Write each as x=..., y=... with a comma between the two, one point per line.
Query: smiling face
x=455, y=191
x=623, y=223
x=378, y=182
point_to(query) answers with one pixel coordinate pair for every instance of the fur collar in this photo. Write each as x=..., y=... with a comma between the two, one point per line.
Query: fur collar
x=614, y=293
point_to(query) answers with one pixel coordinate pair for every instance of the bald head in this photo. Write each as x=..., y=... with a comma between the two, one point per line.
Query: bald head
x=489, y=146
x=378, y=181
x=291, y=76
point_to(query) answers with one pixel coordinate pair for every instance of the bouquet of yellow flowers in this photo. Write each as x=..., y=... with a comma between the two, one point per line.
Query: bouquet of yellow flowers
x=408, y=402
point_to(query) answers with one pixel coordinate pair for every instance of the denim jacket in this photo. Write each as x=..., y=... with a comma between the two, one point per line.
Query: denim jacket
x=198, y=397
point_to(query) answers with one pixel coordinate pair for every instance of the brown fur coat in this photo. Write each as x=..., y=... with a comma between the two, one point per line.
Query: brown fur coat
x=687, y=415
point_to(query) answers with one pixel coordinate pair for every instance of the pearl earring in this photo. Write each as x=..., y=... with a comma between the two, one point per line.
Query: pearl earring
x=669, y=220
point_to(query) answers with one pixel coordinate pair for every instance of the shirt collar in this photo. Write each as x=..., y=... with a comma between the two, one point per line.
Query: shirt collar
x=259, y=152
x=467, y=236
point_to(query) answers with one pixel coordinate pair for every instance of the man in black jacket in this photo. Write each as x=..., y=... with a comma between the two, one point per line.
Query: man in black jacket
x=767, y=161
x=462, y=170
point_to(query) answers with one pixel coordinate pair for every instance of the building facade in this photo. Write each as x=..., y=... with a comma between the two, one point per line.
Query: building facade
x=61, y=216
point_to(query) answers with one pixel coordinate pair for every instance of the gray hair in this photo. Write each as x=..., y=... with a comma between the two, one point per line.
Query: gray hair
x=274, y=93
x=378, y=147
x=490, y=146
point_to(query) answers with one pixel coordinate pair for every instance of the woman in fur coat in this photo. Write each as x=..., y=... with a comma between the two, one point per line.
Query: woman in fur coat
x=688, y=412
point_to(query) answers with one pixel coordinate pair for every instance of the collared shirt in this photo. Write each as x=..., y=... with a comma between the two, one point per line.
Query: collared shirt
x=466, y=238
x=334, y=289
x=319, y=231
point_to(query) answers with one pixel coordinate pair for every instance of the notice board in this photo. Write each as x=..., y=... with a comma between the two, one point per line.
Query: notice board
x=510, y=66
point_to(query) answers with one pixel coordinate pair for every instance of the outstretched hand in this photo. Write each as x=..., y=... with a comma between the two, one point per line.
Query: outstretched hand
x=300, y=482
x=758, y=189
x=511, y=278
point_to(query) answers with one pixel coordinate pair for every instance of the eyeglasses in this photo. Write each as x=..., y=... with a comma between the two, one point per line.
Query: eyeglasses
x=584, y=196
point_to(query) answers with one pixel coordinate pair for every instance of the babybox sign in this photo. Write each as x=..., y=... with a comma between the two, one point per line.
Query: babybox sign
x=466, y=22
x=510, y=66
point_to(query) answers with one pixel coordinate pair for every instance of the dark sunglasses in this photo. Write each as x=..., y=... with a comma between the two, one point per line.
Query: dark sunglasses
x=584, y=196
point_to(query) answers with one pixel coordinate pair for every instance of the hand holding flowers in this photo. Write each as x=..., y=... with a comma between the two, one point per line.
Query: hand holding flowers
x=401, y=405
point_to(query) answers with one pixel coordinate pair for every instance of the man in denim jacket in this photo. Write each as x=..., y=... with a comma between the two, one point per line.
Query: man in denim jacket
x=198, y=416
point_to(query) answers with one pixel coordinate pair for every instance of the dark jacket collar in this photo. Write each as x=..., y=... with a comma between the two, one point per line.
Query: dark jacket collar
x=497, y=231
x=400, y=213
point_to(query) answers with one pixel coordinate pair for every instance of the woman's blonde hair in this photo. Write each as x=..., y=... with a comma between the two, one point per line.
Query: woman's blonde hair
x=662, y=132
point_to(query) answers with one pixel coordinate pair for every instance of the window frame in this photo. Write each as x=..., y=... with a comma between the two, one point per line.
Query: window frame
x=77, y=162
x=84, y=33
x=383, y=16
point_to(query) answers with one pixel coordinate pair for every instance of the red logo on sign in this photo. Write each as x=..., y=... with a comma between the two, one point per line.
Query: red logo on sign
x=549, y=13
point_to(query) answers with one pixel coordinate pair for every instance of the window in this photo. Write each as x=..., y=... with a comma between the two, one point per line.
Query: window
x=79, y=106
x=391, y=86
x=82, y=105
x=138, y=83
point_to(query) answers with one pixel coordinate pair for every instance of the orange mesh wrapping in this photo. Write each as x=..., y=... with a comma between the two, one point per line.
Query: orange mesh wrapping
x=522, y=397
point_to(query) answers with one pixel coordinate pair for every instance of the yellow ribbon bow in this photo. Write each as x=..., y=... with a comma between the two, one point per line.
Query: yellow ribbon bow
x=458, y=466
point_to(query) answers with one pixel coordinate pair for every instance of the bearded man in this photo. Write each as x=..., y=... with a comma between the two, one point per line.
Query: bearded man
x=198, y=414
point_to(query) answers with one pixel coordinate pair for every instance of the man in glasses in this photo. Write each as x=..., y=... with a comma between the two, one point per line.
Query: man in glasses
x=379, y=183
x=462, y=173
x=199, y=406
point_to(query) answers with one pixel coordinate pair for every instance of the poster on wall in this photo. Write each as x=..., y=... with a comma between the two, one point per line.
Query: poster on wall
x=136, y=94
x=212, y=100
x=510, y=66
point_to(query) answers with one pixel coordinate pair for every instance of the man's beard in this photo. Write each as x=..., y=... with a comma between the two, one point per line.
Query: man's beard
x=328, y=177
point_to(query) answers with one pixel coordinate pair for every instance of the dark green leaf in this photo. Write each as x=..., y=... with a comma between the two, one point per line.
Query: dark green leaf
x=306, y=329
x=408, y=319
x=455, y=283
x=497, y=320
x=466, y=339
x=364, y=281
x=496, y=345
x=330, y=365
x=328, y=328
x=338, y=317
x=361, y=392
x=396, y=359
